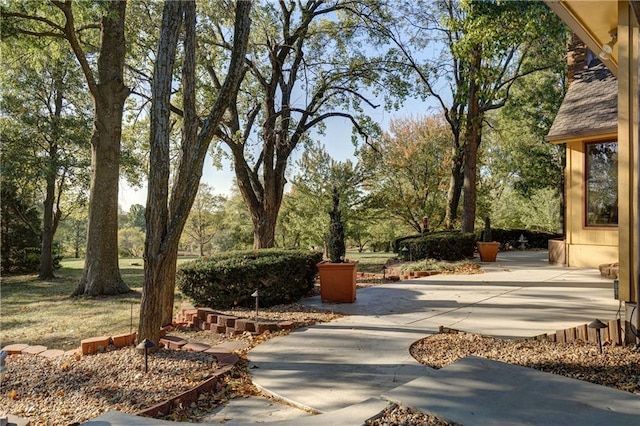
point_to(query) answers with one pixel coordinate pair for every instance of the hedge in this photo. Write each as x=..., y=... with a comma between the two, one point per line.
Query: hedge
x=227, y=280
x=509, y=238
x=442, y=245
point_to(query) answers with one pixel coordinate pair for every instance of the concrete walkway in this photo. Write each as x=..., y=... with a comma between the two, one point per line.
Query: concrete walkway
x=351, y=368
x=331, y=366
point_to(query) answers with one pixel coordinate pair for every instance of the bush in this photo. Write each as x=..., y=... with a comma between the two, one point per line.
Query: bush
x=228, y=279
x=442, y=245
x=508, y=238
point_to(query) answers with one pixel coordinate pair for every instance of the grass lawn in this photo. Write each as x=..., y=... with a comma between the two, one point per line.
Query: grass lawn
x=370, y=261
x=42, y=313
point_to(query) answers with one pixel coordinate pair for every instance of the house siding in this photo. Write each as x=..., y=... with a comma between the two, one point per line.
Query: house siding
x=587, y=247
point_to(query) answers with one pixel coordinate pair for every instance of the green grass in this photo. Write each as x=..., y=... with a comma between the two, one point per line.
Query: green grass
x=370, y=261
x=41, y=312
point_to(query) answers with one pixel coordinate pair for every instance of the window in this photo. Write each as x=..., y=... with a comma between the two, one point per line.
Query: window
x=601, y=174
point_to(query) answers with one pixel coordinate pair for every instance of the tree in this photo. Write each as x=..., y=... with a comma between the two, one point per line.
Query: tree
x=45, y=130
x=58, y=19
x=21, y=229
x=306, y=218
x=517, y=161
x=482, y=49
x=166, y=216
x=237, y=229
x=408, y=170
x=72, y=234
x=205, y=218
x=300, y=73
x=134, y=218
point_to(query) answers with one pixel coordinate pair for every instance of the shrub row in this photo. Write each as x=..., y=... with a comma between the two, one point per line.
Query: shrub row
x=442, y=245
x=227, y=280
x=509, y=238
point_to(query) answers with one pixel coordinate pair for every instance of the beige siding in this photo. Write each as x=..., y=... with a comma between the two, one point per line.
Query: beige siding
x=586, y=246
x=628, y=45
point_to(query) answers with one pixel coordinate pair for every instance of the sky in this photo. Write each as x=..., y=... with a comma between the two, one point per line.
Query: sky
x=337, y=142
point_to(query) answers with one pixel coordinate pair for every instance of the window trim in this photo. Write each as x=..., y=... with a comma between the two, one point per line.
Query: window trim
x=585, y=188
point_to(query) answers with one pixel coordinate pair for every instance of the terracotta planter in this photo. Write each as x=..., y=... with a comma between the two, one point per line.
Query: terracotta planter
x=488, y=250
x=337, y=282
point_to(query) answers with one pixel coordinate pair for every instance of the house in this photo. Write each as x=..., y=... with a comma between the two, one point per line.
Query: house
x=610, y=27
x=587, y=122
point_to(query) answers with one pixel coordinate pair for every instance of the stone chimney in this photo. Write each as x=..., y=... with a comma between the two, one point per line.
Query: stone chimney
x=577, y=58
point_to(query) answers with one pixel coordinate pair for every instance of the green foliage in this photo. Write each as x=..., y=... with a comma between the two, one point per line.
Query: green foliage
x=433, y=265
x=303, y=221
x=539, y=212
x=236, y=232
x=228, y=280
x=407, y=170
x=442, y=245
x=206, y=219
x=131, y=242
x=21, y=227
x=486, y=231
x=335, y=239
x=510, y=238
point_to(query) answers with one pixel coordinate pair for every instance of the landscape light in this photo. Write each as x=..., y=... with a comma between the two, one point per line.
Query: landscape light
x=146, y=344
x=598, y=325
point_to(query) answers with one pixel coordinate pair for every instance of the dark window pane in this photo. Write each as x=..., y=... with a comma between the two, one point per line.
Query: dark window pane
x=602, y=184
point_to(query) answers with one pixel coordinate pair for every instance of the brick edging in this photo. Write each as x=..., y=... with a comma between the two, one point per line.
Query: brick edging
x=187, y=397
x=612, y=334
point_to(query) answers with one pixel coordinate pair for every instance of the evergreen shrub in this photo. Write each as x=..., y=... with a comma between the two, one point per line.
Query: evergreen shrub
x=227, y=280
x=509, y=238
x=441, y=245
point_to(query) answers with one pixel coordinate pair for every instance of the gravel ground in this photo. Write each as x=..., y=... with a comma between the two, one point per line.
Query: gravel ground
x=73, y=389
x=618, y=367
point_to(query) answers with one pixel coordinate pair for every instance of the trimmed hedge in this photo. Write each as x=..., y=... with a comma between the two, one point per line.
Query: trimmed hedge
x=442, y=245
x=227, y=280
x=508, y=238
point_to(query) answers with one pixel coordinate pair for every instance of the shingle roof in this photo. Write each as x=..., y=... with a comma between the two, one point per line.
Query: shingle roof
x=589, y=108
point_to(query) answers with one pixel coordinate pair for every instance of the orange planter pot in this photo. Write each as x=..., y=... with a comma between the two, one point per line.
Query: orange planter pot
x=488, y=250
x=337, y=282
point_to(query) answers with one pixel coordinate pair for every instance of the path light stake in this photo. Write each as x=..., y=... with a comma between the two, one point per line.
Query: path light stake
x=146, y=344
x=384, y=272
x=256, y=294
x=131, y=321
x=598, y=325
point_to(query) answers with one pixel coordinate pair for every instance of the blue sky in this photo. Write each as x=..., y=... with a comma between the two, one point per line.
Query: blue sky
x=337, y=142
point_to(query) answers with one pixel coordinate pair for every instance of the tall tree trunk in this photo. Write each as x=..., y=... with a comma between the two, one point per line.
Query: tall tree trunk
x=101, y=275
x=46, y=252
x=455, y=188
x=472, y=137
x=166, y=217
x=264, y=230
x=48, y=227
x=156, y=259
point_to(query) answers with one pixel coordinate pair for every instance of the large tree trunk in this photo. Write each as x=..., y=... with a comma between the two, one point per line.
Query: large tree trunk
x=166, y=216
x=156, y=259
x=264, y=230
x=48, y=226
x=455, y=188
x=101, y=275
x=472, y=136
x=46, y=251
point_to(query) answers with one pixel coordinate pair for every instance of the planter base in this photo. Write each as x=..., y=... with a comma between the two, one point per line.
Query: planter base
x=488, y=251
x=337, y=282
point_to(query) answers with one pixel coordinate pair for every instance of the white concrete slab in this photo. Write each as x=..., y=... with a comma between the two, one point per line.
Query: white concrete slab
x=482, y=392
x=330, y=366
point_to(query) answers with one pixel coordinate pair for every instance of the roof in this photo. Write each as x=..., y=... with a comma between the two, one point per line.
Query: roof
x=590, y=107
